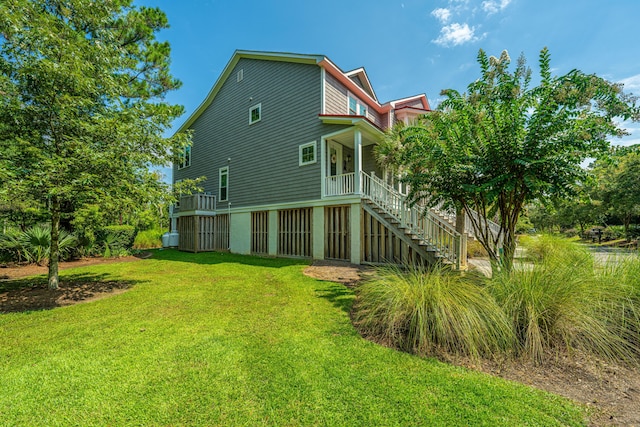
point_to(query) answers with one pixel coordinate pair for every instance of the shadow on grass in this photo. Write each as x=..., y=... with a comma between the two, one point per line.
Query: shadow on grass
x=339, y=295
x=33, y=294
x=209, y=258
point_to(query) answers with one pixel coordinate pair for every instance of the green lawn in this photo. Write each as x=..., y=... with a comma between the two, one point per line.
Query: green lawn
x=220, y=339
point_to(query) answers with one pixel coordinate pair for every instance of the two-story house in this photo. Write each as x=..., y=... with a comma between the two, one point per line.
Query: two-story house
x=286, y=143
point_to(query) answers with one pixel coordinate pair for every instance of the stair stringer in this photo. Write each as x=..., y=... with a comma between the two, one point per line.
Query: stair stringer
x=427, y=252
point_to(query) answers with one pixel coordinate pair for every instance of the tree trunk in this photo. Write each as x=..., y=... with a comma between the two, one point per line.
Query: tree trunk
x=508, y=249
x=54, y=251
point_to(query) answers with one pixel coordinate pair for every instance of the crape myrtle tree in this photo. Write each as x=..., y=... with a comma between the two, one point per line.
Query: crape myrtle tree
x=506, y=142
x=82, y=108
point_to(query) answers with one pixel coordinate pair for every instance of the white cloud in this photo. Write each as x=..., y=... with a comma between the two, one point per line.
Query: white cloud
x=456, y=34
x=631, y=84
x=494, y=6
x=441, y=14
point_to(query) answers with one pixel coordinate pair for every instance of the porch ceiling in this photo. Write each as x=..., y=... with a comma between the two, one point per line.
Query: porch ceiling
x=347, y=139
x=370, y=134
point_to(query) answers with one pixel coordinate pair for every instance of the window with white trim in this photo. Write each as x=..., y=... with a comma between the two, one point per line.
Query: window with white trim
x=223, y=183
x=184, y=158
x=307, y=153
x=240, y=75
x=356, y=108
x=255, y=113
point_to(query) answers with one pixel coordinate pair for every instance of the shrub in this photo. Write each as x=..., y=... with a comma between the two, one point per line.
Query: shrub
x=623, y=313
x=475, y=249
x=561, y=302
x=10, y=248
x=556, y=250
x=116, y=240
x=614, y=232
x=34, y=244
x=148, y=239
x=427, y=312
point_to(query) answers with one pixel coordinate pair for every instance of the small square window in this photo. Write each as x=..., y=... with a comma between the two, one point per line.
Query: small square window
x=307, y=154
x=255, y=114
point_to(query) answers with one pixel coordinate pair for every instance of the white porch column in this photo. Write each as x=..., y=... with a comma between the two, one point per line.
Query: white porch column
x=357, y=159
x=323, y=167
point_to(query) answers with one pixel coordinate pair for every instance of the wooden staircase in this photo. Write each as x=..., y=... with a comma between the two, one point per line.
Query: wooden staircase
x=427, y=234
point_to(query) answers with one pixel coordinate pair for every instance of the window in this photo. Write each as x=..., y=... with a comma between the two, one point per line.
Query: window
x=240, y=75
x=184, y=158
x=223, y=184
x=307, y=154
x=356, y=108
x=255, y=114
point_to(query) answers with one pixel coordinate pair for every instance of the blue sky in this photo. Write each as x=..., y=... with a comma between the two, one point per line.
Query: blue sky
x=407, y=46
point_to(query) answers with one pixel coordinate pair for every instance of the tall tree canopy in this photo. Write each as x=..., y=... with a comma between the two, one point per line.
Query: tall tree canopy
x=82, y=109
x=619, y=184
x=506, y=142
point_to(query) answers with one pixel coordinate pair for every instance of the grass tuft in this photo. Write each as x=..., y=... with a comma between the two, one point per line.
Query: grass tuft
x=430, y=311
x=561, y=301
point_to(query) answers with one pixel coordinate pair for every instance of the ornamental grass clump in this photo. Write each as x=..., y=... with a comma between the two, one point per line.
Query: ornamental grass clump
x=561, y=302
x=432, y=311
x=148, y=239
x=623, y=313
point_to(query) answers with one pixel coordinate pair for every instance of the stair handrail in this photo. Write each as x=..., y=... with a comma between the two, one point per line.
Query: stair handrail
x=450, y=214
x=420, y=222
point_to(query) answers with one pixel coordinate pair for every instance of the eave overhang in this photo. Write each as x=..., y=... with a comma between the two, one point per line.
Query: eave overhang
x=360, y=122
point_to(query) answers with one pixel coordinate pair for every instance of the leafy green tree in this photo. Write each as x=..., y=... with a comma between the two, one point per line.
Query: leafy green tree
x=506, y=142
x=619, y=181
x=82, y=108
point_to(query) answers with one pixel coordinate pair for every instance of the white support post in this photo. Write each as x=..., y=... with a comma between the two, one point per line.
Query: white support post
x=323, y=167
x=357, y=159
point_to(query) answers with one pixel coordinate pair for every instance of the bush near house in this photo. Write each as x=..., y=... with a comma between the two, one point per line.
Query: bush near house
x=148, y=239
x=558, y=300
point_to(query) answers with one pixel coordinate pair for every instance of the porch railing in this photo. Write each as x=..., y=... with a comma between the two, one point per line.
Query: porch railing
x=450, y=215
x=198, y=202
x=340, y=185
x=420, y=222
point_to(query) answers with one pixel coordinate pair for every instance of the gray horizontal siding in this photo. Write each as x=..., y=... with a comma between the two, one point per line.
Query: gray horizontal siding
x=369, y=163
x=263, y=165
x=336, y=101
x=335, y=96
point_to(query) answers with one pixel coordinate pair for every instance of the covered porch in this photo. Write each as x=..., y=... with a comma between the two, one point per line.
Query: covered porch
x=346, y=154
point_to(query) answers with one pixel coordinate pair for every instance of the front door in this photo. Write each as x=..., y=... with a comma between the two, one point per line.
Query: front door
x=334, y=159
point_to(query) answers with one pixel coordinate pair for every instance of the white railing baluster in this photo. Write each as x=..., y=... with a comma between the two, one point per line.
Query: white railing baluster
x=419, y=221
